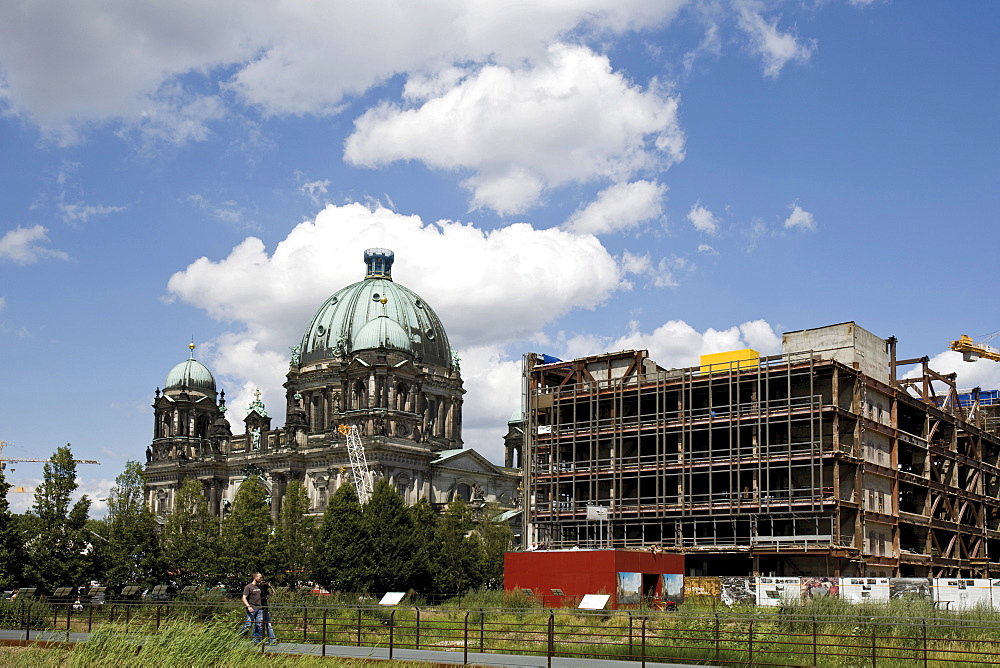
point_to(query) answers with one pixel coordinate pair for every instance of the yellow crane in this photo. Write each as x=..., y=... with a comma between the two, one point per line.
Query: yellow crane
x=29, y=490
x=974, y=350
x=5, y=460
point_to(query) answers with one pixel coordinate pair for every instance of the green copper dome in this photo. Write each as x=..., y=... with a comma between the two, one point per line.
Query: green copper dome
x=190, y=374
x=376, y=313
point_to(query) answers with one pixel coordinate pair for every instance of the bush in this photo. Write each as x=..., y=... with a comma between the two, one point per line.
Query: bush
x=14, y=614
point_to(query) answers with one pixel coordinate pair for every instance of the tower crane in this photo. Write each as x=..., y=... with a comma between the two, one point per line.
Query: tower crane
x=17, y=460
x=974, y=350
x=360, y=473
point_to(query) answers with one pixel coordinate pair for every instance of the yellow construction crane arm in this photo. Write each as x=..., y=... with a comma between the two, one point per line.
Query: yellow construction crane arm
x=4, y=444
x=972, y=350
x=20, y=459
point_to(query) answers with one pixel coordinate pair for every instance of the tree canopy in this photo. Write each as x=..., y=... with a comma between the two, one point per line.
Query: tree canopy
x=246, y=532
x=383, y=546
x=55, y=529
x=132, y=544
x=11, y=552
x=392, y=556
x=191, y=537
x=341, y=549
x=294, y=537
x=459, y=559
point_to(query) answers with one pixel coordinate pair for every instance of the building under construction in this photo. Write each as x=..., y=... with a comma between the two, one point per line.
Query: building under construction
x=819, y=461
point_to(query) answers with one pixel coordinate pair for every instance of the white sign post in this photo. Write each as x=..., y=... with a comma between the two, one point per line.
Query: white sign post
x=599, y=514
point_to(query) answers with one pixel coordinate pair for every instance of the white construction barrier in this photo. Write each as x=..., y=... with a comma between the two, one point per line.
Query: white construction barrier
x=776, y=591
x=859, y=590
x=961, y=594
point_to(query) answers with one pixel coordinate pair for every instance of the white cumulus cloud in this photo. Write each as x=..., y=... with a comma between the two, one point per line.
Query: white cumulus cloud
x=676, y=344
x=79, y=212
x=984, y=374
x=315, y=190
x=703, y=219
x=521, y=131
x=168, y=70
x=25, y=245
x=800, y=218
x=775, y=47
x=620, y=207
x=494, y=383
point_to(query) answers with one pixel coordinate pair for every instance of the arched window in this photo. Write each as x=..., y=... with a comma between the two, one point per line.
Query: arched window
x=432, y=410
x=403, y=485
x=360, y=394
x=464, y=491
x=202, y=427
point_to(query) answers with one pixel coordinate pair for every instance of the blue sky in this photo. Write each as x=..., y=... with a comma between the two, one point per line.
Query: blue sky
x=558, y=177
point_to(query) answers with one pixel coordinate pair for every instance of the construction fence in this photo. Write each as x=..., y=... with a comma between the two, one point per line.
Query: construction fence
x=944, y=593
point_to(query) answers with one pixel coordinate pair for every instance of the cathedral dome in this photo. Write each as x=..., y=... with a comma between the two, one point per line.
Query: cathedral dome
x=190, y=374
x=376, y=313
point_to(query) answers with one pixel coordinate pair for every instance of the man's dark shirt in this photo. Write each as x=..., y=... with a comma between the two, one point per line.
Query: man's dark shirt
x=252, y=592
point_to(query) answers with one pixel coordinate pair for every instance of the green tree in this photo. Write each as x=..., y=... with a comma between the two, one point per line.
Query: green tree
x=191, y=537
x=294, y=537
x=341, y=548
x=246, y=532
x=496, y=539
x=391, y=557
x=459, y=559
x=131, y=545
x=425, y=522
x=11, y=552
x=55, y=535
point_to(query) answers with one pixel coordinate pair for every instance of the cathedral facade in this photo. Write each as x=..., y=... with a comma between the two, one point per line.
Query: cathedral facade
x=374, y=356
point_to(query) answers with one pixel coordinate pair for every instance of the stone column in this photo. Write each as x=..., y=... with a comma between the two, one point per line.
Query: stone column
x=449, y=427
x=275, y=496
x=213, y=497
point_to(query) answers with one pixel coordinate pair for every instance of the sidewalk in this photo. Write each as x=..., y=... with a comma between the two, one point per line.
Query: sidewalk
x=382, y=653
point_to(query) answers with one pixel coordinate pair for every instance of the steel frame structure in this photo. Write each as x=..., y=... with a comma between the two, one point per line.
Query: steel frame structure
x=794, y=465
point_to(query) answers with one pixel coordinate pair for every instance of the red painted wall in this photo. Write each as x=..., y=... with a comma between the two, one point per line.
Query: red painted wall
x=580, y=572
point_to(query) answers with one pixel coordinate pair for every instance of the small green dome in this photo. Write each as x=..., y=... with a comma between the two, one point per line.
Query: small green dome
x=382, y=332
x=190, y=374
x=376, y=312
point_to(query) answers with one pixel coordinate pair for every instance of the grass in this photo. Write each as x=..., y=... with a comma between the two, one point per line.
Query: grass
x=826, y=632
x=180, y=643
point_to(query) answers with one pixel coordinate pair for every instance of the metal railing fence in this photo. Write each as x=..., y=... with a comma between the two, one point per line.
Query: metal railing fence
x=767, y=638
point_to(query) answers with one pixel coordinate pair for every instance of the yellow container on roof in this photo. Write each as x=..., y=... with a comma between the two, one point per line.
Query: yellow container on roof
x=730, y=360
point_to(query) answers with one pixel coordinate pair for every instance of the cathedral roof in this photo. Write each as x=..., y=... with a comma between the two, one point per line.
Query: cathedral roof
x=376, y=313
x=190, y=374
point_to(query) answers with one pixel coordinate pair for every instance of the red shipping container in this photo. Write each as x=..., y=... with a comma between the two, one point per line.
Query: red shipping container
x=579, y=572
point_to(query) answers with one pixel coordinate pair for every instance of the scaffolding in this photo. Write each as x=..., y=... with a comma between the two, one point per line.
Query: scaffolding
x=361, y=475
x=796, y=464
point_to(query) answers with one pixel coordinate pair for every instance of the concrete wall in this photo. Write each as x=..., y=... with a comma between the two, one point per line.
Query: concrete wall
x=847, y=343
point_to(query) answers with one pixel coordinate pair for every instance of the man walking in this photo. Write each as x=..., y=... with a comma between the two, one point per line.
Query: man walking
x=255, y=602
x=251, y=601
